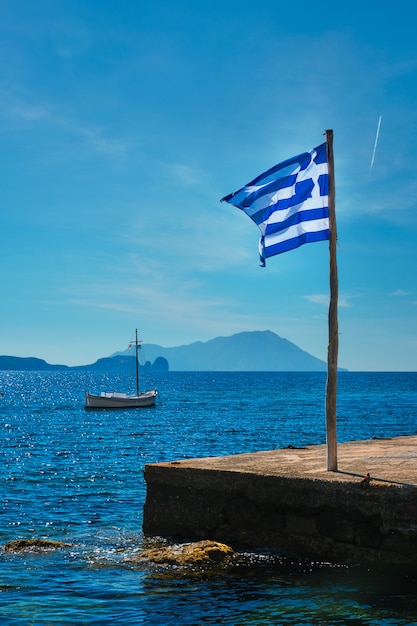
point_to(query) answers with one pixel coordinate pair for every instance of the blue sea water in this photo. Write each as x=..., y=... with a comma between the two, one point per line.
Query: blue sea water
x=76, y=476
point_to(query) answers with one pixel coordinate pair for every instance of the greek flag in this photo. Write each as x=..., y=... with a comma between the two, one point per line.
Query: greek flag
x=289, y=203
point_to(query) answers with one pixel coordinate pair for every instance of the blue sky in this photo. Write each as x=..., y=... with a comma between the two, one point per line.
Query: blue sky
x=124, y=123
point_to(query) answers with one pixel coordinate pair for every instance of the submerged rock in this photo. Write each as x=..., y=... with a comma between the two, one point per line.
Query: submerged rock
x=195, y=553
x=33, y=544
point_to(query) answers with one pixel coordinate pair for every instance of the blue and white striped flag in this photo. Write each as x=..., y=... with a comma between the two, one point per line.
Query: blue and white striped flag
x=289, y=203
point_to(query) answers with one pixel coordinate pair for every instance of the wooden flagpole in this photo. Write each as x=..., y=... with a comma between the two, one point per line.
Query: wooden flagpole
x=332, y=350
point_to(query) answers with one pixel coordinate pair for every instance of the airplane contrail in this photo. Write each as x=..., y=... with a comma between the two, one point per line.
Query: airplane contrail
x=376, y=142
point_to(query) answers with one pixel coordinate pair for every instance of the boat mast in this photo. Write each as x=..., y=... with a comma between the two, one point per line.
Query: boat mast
x=137, y=362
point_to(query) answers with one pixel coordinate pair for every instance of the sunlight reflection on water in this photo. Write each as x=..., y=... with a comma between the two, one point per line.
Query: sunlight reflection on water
x=77, y=476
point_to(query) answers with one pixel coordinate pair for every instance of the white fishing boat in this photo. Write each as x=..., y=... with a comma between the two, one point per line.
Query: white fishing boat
x=120, y=400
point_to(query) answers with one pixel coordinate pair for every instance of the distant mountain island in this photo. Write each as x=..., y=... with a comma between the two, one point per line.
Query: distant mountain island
x=256, y=351
x=28, y=364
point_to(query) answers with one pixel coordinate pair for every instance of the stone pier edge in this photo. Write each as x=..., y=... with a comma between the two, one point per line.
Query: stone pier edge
x=283, y=500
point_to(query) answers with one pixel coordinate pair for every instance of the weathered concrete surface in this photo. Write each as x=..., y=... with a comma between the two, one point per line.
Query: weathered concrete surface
x=286, y=499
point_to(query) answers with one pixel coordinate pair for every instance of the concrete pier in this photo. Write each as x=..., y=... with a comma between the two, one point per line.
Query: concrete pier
x=287, y=500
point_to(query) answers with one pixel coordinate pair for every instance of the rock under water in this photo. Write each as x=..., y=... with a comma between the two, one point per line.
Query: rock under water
x=198, y=552
x=33, y=544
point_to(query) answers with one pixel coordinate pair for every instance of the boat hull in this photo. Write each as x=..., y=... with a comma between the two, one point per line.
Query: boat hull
x=114, y=400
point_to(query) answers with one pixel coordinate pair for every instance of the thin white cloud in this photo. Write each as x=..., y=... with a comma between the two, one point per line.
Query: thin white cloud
x=200, y=234
x=31, y=113
x=167, y=304
x=184, y=174
x=400, y=293
x=323, y=299
x=96, y=138
x=47, y=117
x=318, y=298
x=71, y=37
